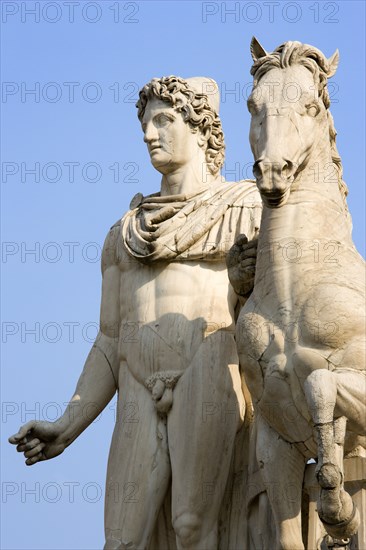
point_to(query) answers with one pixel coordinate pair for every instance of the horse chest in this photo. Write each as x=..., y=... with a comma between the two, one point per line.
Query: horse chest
x=268, y=370
x=258, y=330
x=261, y=349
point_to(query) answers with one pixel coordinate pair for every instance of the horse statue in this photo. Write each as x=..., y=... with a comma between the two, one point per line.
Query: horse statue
x=300, y=335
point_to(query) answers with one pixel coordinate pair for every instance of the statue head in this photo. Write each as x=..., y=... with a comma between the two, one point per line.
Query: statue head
x=197, y=99
x=290, y=117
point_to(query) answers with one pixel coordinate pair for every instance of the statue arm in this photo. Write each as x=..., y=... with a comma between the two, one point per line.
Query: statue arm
x=97, y=384
x=99, y=380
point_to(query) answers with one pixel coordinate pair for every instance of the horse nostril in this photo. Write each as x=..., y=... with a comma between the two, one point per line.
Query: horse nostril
x=287, y=169
x=283, y=169
x=257, y=169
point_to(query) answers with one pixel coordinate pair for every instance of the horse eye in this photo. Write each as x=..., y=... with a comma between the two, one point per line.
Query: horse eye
x=312, y=109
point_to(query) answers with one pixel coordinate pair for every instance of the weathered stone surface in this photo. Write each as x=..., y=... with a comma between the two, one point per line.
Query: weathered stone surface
x=166, y=342
x=301, y=333
x=193, y=463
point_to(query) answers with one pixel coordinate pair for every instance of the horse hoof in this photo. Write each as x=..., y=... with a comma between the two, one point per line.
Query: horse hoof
x=330, y=542
x=344, y=529
x=329, y=476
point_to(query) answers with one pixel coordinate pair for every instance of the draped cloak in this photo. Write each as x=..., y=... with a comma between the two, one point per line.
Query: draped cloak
x=201, y=226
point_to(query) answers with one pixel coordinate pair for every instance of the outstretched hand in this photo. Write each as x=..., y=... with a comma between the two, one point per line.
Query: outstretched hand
x=240, y=262
x=38, y=440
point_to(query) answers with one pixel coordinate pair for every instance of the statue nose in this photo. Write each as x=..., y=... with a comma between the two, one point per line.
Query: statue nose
x=150, y=133
x=265, y=167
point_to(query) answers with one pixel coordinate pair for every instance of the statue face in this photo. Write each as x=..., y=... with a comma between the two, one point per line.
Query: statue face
x=170, y=141
x=288, y=121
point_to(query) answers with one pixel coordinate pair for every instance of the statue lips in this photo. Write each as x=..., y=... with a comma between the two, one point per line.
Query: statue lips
x=154, y=148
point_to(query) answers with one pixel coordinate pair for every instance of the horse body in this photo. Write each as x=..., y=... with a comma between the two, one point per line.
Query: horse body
x=301, y=335
x=299, y=304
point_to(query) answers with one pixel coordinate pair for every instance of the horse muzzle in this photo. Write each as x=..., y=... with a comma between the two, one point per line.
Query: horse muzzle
x=274, y=179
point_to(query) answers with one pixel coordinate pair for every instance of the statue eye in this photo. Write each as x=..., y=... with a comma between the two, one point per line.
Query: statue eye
x=163, y=120
x=312, y=109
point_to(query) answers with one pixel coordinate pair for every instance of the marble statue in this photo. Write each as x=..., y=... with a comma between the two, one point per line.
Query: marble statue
x=300, y=334
x=167, y=323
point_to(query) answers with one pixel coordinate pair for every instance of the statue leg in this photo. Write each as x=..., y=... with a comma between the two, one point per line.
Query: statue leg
x=138, y=469
x=351, y=399
x=347, y=384
x=335, y=507
x=207, y=410
x=282, y=468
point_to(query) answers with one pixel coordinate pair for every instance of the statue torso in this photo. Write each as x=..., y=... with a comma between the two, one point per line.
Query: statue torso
x=169, y=305
x=167, y=309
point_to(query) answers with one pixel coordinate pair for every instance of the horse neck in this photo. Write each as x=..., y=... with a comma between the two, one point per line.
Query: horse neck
x=313, y=215
x=315, y=208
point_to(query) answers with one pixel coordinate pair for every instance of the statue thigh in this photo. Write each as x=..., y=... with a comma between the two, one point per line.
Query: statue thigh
x=139, y=471
x=207, y=411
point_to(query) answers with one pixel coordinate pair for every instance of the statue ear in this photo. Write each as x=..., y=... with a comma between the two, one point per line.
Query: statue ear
x=256, y=49
x=333, y=63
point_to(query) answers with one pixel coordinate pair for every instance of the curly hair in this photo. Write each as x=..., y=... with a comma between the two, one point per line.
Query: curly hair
x=196, y=111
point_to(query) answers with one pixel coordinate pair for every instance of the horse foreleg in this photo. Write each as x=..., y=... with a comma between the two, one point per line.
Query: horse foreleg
x=335, y=507
x=282, y=469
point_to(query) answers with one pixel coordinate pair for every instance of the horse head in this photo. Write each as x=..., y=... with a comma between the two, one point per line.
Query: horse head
x=290, y=118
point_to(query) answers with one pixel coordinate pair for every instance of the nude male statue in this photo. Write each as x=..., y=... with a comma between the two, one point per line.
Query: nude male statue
x=166, y=339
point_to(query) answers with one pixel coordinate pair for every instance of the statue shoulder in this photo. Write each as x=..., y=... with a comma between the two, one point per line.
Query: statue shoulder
x=242, y=194
x=110, y=247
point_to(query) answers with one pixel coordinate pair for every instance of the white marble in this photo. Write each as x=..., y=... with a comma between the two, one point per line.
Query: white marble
x=166, y=339
x=301, y=333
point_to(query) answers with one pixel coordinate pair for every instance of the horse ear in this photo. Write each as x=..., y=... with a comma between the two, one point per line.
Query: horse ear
x=333, y=64
x=256, y=49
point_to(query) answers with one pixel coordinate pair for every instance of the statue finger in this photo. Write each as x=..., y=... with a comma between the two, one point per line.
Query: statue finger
x=18, y=441
x=231, y=260
x=248, y=262
x=245, y=256
x=28, y=445
x=23, y=430
x=35, y=451
x=241, y=240
x=30, y=461
x=232, y=257
x=248, y=272
x=252, y=251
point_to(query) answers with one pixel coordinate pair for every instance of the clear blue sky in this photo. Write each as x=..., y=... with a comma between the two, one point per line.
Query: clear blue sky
x=78, y=131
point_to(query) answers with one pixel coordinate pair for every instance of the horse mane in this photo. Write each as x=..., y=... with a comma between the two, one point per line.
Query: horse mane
x=291, y=53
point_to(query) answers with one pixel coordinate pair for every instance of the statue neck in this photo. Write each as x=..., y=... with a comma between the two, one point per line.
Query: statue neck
x=190, y=178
